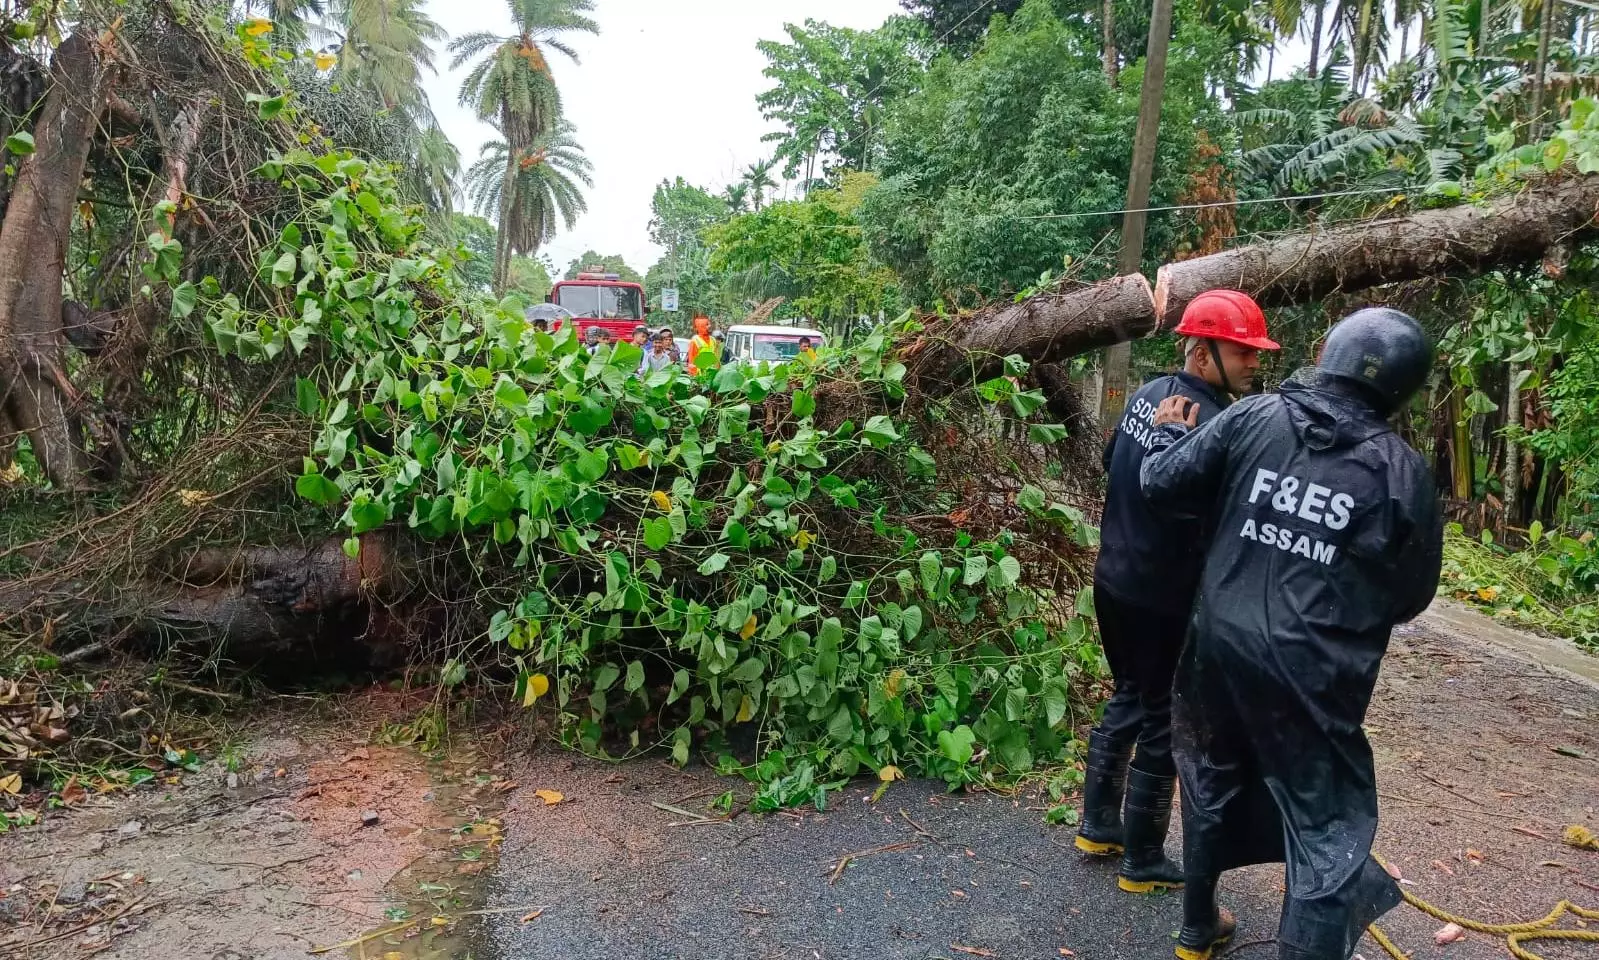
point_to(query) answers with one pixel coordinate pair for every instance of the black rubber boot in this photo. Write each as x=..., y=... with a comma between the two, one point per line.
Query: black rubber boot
x=1145, y=867
x=1104, y=779
x=1205, y=925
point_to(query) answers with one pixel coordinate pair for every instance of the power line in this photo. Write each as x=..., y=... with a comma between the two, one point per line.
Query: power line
x=1370, y=191
x=1216, y=203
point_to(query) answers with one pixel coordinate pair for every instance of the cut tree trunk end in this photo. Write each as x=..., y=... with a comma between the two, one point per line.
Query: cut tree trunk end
x=1044, y=328
x=1460, y=240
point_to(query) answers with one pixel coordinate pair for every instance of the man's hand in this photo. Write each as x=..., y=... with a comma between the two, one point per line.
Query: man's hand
x=1177, y=409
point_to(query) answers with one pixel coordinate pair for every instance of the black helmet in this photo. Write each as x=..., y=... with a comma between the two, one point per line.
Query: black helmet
x=1382, y=349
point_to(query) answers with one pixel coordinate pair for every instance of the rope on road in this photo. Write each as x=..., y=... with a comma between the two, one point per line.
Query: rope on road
x=1515, y=934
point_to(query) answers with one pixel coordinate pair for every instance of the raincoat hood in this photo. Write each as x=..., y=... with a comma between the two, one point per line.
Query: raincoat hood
x=1327, y=413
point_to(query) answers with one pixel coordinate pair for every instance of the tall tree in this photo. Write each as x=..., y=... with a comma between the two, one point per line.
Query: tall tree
x=531, y=194
x=512, y=86
x=607, y=262
x=757, y=179
x=388, y=46
x=830, y=87
x=959, y=24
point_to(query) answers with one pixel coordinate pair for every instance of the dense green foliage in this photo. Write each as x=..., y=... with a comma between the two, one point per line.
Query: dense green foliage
x=683, y=557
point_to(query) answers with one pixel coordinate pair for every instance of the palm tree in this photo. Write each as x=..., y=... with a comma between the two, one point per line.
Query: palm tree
x=531, y=193
x=435, y=163
x=387, y=46
x=758, y=179
x=737, y=198
x=512, y=87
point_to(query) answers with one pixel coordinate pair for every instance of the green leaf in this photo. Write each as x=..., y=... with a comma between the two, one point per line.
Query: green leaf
x=910, y=622
x=976, y=569
x=317, y=488
x=880, y=431
x=267, y=107
x=679, y=686
x=1015, y=704
x=931, y=566
x=841, y=725
x=635, y=676
x=508, y=394
x=828, y=569
x=283, y=270
x=856, y=595
x=606, y=675
x=307, y=398
x=657, y=532
x=592, y=464
x=680, y=745
x=20, y=144
x=1024, y=403
x=1554, y=154
x=1054, y=699
x=453, y=674
x=1046, y=433
x=804, y=404
x=184, y=297
x=714, y=563
x=1010, y=570
x=736, y=534
x=367, y=515
x=956, y=744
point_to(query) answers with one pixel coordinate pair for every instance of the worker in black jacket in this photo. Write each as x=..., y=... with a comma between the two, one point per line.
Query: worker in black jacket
x=1144, y=583
x=1326, y=533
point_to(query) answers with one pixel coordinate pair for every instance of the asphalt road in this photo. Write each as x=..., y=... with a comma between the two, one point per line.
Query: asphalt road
x=615, y=880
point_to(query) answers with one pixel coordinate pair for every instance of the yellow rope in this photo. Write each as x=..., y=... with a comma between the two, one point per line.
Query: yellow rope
x=1515, y=934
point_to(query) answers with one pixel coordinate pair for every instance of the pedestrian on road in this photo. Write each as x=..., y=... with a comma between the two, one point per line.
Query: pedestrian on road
x=1144, y=585
x=591, y=338
x=1325, y=533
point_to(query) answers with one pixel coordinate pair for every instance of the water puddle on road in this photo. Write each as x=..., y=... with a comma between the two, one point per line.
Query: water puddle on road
x=435, y=909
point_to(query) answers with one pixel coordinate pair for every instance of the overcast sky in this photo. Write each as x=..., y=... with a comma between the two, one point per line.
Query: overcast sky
x=667, y=89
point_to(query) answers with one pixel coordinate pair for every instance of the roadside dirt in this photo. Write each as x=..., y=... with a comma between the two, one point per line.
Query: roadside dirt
x=1484, y=757
x=318, y=837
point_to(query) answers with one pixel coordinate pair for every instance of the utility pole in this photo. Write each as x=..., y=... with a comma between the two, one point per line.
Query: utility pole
x=1119, y=357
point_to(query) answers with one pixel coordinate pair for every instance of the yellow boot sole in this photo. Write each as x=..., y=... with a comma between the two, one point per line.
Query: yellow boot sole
x=1095, y=848
x=1149, y=886
x=1184, y=953
x=1188, y=953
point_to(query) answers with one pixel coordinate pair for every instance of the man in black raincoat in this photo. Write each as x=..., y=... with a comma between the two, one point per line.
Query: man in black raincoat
x=1144, y=584
x=1326, y=534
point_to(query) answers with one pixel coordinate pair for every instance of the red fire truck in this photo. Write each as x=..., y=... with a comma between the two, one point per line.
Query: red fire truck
x=601, y=300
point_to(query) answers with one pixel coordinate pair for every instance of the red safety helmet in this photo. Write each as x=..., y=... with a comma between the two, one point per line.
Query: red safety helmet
x=1226, y=315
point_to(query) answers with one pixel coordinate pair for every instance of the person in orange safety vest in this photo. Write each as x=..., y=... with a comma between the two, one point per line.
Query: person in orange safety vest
x=703, y=350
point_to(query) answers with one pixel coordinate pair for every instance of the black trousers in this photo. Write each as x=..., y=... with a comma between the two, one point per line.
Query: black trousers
x=1142, y=647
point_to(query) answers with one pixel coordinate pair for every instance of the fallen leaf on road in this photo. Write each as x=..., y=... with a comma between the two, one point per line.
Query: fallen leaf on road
x=1581, y=837
x=974, y=951
x=1393, y=871
x=1475, y=856
x=890, y=772
x=1449, y=933
x=958, y=893
x=72, y=792
x=394, y=955
x=550, y=797
x=1528, y=831
x=529, y=918
x=11, y=783
x=1443, y=867
x=1570, y=752
x=1066, y=953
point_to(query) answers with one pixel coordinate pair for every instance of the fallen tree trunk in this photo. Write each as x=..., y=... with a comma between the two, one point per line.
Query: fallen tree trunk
x=1042, y=329
x=1461, y=241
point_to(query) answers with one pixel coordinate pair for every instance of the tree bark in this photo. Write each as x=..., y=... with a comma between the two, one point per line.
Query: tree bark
x=1107, y=39
x=33, y=254
x=1546, y=25
x=1461, y=240
x=1044, y=328
x=1315, y=36
x=124, y=360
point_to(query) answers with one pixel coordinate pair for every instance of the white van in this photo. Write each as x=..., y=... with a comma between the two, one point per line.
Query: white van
x=752, y=343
